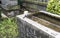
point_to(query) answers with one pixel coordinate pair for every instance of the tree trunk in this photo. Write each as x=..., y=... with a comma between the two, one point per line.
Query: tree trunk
x=0, y=13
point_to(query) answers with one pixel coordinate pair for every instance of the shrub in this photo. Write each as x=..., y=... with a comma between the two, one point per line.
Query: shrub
x=54, y=6
x=8, y=28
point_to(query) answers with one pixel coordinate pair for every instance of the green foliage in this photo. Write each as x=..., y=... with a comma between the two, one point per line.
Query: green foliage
x=54, y=6
x=8, y=28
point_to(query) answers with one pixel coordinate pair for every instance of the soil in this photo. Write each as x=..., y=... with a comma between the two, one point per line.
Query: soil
x=47, y=21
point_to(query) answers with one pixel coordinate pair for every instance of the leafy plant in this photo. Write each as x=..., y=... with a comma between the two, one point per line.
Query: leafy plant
x=8, y=28
x=54, y=6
